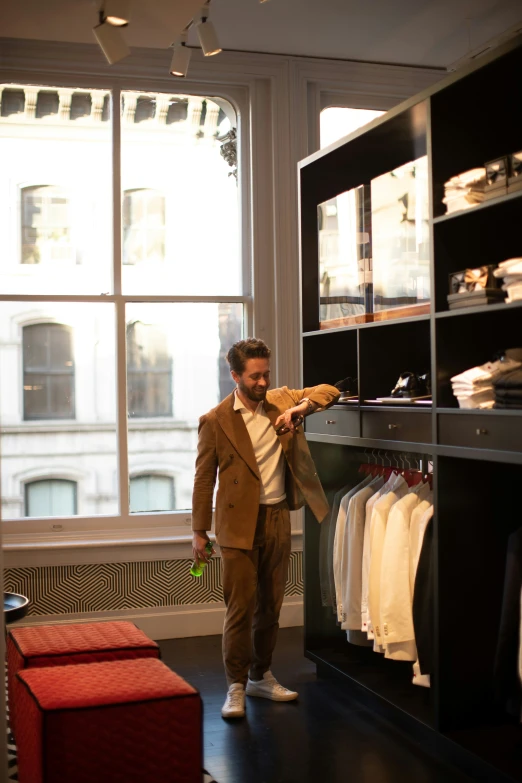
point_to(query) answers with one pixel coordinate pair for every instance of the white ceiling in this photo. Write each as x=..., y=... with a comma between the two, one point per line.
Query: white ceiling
x=414, y=32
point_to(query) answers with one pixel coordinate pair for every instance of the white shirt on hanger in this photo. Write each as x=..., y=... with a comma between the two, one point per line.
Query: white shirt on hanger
x=352, y=555
x=339, y=536
x=379, y=521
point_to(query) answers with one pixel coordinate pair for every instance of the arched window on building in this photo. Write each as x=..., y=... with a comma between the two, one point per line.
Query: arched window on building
x=48, y=368
x=143, y=226
x=46, y=231
x=149, y=371
x=51, y=498
x=152, y=493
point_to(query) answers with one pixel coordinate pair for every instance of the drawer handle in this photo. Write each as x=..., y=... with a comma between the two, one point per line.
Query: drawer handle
x=393, y=426
x=330, y=421
x=482, y=432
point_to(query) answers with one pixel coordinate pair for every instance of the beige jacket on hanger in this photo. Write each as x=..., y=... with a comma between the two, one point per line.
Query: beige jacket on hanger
x=339, y=540
x=365, y=614
x=396, y=599
x=352, y=555
x=379, y=521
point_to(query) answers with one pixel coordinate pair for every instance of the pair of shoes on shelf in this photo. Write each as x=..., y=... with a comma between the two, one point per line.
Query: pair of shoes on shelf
x=412, y=385
x=267, y=688
x=348, y=387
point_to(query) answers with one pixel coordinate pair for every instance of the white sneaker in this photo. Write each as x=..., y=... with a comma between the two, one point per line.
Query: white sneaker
x=234, y=706
x=269, y=688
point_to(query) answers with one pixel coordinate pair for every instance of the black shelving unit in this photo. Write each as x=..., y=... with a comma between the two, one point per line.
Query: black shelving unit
x=473, y=116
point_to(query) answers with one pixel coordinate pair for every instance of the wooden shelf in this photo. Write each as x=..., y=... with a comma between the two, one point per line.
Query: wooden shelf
x=494, y=308
x=494, y=202
x=475, y=412
x=476, y=454
x=353, y=327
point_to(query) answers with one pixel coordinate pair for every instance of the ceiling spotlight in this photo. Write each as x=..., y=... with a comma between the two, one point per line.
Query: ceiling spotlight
x=207, y=35
x=181, y=57
x=116, y=12
x=111, y=42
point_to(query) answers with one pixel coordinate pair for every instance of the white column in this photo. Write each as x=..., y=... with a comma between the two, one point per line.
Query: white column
x=195, y=107
x=211, y=119
x=130, y=101
x=64, y=106
x=162, y=108
x=31, y=97
x=97, y=101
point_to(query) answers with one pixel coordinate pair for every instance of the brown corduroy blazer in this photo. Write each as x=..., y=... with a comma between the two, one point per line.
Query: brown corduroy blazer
x=225, y=450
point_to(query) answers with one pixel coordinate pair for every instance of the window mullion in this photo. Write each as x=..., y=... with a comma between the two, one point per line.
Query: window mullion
x=116, y=189
x=121, y=383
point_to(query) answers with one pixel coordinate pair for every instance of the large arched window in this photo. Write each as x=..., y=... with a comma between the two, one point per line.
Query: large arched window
x=45, y=225
x=149, y=371
x=143, y=226
x=51, y=498
x=48, y=372
x=152, y=493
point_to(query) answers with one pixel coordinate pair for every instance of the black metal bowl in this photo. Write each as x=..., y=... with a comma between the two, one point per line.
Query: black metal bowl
x=15, y=607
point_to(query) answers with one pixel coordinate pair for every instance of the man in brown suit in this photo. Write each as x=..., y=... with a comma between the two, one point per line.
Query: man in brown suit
x=262, y=475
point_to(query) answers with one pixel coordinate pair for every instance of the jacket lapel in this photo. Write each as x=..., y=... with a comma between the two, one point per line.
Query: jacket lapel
x=232, y=424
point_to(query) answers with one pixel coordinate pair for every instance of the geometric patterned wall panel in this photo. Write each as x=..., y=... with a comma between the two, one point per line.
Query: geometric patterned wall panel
x=104, y=587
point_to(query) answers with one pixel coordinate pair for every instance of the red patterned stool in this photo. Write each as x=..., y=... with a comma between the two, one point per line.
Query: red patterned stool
x=60, y=645
x=113, y=722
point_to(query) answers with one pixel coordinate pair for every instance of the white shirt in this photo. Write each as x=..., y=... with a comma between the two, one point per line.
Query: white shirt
x=267, y=451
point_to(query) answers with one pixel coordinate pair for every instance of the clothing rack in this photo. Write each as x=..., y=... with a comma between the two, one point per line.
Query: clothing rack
x=475, y=456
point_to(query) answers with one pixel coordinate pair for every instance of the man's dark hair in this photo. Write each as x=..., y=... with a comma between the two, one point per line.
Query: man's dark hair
x=242, y=351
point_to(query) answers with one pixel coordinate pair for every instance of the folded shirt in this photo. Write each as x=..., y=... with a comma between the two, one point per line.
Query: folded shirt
x=513, y=266
x=508, y=405
x=484, y=375
x=511, y=380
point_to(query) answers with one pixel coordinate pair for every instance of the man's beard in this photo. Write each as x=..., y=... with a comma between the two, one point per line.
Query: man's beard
x=255, y=396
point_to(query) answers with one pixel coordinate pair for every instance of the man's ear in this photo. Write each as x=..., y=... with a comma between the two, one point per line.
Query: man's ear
x=235, y=376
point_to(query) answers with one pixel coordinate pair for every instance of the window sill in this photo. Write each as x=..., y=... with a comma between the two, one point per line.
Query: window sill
x=41, y=549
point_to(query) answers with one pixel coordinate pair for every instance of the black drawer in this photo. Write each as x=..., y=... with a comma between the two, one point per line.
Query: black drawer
x=481, y=432
x=414, y=427
x=334, y=422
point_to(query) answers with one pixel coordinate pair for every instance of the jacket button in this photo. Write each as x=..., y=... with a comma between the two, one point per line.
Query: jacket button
x=231, y=505
x=236, y=481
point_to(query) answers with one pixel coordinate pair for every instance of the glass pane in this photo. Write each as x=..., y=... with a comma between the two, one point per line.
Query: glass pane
x=181, y=226
x=339, y=121
x=344, y=253
x=58, y=423
x=192, y=339
x=56, y=215
x=400, y=239
x=51, y=498
x=151, y=493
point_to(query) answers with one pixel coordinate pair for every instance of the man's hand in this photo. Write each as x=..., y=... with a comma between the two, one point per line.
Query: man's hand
x=291, y=418
x=199, y=541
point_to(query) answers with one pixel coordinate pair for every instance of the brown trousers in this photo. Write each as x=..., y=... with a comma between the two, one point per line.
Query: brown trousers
x=254, y=583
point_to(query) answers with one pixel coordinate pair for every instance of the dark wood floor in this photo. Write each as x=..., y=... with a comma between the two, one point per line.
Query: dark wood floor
x=321, y=738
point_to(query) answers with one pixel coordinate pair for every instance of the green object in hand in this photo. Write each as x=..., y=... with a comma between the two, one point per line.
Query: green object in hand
x=198, y=568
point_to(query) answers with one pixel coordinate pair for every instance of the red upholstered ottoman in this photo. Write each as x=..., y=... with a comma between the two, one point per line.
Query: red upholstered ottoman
x=59, y=645
x=113, y=722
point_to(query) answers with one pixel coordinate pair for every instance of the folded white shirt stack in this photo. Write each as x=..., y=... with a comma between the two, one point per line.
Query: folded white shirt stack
x=511, y=272
x=474, y=388
x=464, y=191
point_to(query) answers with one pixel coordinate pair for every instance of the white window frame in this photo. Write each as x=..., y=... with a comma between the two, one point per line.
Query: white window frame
x=124, y=525
x=275, y=96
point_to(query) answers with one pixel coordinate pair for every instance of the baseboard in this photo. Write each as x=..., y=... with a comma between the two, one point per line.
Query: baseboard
x=171, y=622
